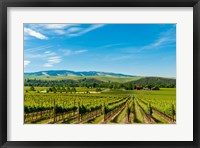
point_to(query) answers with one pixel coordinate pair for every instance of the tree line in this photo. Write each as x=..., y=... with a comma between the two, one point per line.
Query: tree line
x=93, y=83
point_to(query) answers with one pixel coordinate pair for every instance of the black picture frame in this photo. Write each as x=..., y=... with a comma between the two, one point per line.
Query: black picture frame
x=4, y=4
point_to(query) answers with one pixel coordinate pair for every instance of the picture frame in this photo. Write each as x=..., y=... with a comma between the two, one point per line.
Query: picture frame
x=4, y=143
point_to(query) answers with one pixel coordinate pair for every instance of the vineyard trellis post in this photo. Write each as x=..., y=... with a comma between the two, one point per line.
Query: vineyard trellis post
x=54, y=112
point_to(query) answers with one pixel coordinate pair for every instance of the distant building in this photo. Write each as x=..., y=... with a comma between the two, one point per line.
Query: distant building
x=155, y=88
x=138, y=87
x=146, y=88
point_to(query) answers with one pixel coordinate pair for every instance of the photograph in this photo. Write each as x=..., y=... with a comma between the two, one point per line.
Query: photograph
x=99, y=73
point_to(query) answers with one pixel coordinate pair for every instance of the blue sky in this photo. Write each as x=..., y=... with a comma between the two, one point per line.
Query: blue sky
x=136, y=49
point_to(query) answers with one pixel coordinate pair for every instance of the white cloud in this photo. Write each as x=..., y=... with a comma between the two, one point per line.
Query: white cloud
x=68, y=52
x=83, y=31
x=60, y=32
x=117, y=57
x=80, y=51
x=156, y=44
x=42, y=55
x=52, y=60
x=166, y=38
x=74, y=29
x=56, y=26
x=112, y=45
x=38, y=48
x=35, y=34
x=26, y=62
x=47, y=65
x=159, y=42
x=52, y=28
x=70, y=30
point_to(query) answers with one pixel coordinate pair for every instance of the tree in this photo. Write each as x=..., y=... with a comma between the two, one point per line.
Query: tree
x=115, y=86
x=50, y=89
x=68, y=90
x=63, y=89
x=58, y=89
x=129, y=86
x=73, y=89
x=32, y=88
x=54, y=89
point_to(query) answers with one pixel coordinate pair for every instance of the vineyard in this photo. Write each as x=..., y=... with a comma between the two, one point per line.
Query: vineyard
x=105, y=107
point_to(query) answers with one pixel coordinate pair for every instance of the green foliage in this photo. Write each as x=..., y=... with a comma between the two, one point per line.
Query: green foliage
x=86, y=108
x=32, y=88
x=150, y=82
x=60, y=109
x=31, y=109
x=98, y=89
x=113, y=105
x=73, y=89
x=97, y=83
x=164, y=100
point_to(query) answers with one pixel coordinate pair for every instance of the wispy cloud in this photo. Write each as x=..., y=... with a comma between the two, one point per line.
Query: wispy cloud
x=165, y=39
x=52, y=26
x=158, y=43
x=26, y=62
x=68, y=52
x=59, y=32
x=59, y=29
x=74, y=29
x=70, y=30
x=40, y=55
x=112, y=45
x=39, y=48
x=117, y=57
x=56, y=26
x=86, y=30
x=35, y=34
x=52, y=60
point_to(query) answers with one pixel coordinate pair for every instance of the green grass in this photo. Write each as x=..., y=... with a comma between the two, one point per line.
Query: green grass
x=158, y=119
x=96, y=120
x=138, y=115
x=120, y=117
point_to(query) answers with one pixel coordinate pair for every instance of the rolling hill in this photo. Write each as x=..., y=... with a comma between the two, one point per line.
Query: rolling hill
x=97, y=77
x=74, y=73
x=154, y=81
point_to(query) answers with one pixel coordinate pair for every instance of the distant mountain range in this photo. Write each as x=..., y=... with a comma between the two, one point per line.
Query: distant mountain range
x=75, y=73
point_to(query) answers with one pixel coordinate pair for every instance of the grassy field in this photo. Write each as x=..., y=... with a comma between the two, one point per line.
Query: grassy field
x=100, y=78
